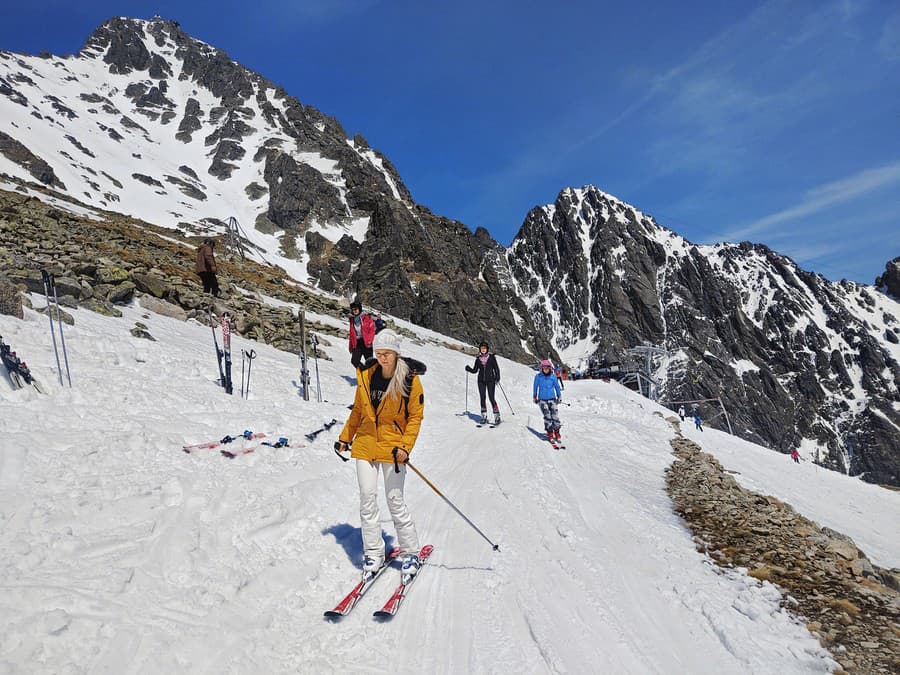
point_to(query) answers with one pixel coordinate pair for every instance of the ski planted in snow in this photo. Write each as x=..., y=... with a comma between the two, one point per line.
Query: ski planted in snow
x=226, y=348
x=345, y=606
x=280, y=443
x=311, y=436
x=393, y=604
x=219, y=352
x=212, y=445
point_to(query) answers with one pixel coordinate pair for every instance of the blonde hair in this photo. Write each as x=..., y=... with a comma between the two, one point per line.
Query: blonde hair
x=398, y=387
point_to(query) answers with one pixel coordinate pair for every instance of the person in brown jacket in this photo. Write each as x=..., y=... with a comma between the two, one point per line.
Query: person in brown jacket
x=206, y=267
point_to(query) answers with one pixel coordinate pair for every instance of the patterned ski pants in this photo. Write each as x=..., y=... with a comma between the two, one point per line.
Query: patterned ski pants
x=551, y=415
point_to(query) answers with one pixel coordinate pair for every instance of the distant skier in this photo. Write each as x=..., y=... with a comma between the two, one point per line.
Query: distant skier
x=380, y=325
x=795, y=456
x=206, y=267
x=382, y=428
x=698, y=423
x=362, y=332
x=560, y=377
x=488, y=377
x=547, y=394
x=681, y=413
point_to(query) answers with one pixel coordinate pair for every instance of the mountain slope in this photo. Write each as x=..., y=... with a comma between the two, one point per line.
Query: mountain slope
x=148, y=121
x=797, y=360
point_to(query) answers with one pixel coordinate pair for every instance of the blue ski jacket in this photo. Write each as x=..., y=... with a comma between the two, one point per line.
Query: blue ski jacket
x=546, y=387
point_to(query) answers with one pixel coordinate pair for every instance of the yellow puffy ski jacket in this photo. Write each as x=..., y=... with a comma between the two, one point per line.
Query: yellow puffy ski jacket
x=374, y=433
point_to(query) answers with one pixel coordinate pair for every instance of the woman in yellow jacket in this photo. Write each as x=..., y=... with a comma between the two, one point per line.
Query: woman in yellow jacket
x=382, y=429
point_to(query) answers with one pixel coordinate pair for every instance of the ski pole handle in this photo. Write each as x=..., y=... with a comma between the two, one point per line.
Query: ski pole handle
x=339, y=447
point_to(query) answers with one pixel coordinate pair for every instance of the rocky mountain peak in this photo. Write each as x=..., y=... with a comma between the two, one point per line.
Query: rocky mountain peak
x=889, y=282
x=739, y=322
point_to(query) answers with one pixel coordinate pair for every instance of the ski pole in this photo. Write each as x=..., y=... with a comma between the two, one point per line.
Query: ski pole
x=467, y=391
x=62, y=338
x=315, y=343
x=250, y=356
x=46, y=277
x=496, y=547
x=242, y=372
x=507, y=398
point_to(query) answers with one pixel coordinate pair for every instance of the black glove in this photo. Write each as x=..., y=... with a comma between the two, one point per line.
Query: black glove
x=339, y=447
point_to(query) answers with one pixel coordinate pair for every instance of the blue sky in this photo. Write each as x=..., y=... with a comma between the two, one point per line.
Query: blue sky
x=775, y=122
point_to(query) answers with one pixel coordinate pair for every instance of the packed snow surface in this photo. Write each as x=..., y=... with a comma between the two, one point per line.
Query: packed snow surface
x=119, y=553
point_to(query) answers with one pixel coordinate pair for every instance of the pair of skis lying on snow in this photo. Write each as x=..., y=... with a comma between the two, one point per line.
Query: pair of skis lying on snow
x=248, y=435
x=281, y=442
x=345, y=606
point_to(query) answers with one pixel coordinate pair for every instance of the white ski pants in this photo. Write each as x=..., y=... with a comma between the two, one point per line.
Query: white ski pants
x=367, y=475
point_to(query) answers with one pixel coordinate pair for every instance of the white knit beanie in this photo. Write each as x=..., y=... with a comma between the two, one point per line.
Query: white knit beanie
x=387, y=339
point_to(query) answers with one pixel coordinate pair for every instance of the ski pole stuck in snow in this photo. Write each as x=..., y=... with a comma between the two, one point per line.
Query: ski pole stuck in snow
x=506, y=397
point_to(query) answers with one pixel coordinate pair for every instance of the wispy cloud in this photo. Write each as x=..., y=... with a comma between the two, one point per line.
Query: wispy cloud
x=822, y=197
x=889, y=44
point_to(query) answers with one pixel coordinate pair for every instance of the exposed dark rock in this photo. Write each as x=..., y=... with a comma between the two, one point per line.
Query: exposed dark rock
x=256, y=191
x=12, y=94
x=226, y=153
x=10, y=299
x=74, y=141
x=147, y=180
x=188, y=189
x=889, y=282
x=297, y=191
x=190, y=122
x=34, y=165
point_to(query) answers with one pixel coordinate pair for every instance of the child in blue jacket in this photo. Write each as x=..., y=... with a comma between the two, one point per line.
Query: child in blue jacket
x=547, y=394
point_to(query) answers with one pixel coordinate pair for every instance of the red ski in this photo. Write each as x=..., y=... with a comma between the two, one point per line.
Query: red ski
x=280, y=443
x=345, y=606
x=211, y=445
x=393, y=604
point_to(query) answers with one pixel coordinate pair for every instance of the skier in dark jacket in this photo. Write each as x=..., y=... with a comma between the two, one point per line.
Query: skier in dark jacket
x=488, y=377
x=206, y=267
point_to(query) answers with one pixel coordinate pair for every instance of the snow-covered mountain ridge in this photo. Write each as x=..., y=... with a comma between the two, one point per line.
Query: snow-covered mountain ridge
x=148, y=121
x=798, y=360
